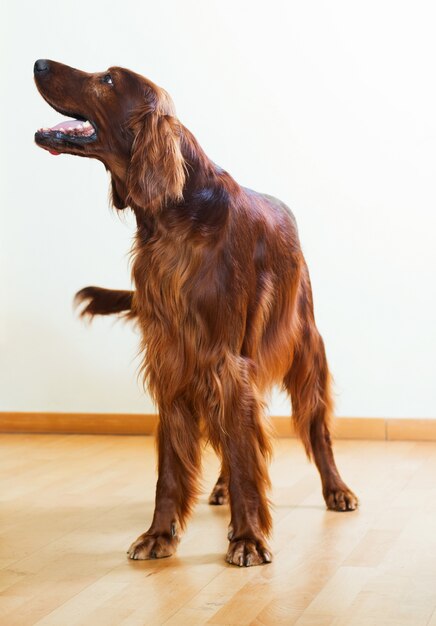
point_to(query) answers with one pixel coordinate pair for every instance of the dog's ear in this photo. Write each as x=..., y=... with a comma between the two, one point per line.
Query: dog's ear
x=157, y=169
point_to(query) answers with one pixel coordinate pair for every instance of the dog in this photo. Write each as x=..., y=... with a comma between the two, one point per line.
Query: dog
x=222, y=298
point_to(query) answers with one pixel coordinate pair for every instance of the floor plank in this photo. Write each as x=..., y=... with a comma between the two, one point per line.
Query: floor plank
x=71, y=505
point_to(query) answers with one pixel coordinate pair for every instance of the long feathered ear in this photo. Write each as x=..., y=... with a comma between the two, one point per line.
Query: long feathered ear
x=157, y=169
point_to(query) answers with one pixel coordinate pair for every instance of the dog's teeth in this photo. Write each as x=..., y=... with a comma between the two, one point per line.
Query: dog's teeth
x=62, y=130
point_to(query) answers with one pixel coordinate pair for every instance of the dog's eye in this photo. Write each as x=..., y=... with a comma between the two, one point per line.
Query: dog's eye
x=107, y=78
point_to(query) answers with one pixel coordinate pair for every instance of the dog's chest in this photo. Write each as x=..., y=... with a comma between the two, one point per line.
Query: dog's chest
x=164, y=269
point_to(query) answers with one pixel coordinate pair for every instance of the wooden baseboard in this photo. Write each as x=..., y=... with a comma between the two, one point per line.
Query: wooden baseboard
x=79, y=423
x=342, y=428
x=139, y=424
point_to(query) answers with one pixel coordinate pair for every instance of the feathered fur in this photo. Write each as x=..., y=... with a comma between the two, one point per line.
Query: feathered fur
x=224, y=304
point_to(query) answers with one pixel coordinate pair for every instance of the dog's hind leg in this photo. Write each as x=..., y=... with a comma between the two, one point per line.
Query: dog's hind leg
x=308, y=383
x=220, y=493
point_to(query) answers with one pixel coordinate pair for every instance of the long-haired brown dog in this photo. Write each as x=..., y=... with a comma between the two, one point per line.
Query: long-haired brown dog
x=222, y=297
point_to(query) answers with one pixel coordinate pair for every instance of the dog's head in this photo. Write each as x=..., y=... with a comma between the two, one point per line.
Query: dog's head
x=122, y=119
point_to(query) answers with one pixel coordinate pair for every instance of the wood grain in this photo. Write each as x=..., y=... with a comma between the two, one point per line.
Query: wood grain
x=71, y=504
x=138, y=424
x=78, y=423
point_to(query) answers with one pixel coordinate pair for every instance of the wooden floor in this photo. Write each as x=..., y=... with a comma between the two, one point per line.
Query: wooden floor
x=71, y=505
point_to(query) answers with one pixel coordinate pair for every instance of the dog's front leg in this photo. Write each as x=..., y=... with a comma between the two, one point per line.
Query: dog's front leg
x=250, y=517
x=100, y=301
x=244, y=447
x=176, y=491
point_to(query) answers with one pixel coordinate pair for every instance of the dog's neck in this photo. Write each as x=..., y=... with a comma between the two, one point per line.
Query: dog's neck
x=203, y=178
x=200, y=170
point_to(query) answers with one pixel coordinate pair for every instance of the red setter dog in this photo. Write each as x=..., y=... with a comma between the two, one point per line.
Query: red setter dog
x=222, y=297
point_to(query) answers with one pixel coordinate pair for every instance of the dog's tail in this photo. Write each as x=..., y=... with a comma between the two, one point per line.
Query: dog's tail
x=99, y=301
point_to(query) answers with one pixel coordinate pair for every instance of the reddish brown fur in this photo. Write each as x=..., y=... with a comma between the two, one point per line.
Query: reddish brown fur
x=223, y=301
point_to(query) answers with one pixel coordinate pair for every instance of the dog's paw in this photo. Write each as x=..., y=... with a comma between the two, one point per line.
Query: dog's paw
x=247, y=552
x=341, y=499
x=219, y=494
x=86, y=301
x=152, y=546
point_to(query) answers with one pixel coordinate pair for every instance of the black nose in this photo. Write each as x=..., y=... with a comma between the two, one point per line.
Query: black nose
x=41, y=66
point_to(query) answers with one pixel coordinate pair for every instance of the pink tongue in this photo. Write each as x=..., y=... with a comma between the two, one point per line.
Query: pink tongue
x=67, y=124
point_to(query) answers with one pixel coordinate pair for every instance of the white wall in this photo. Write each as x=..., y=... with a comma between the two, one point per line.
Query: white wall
x=331, y=106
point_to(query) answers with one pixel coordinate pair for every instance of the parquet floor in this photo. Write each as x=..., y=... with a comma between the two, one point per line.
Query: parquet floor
x=70, y=505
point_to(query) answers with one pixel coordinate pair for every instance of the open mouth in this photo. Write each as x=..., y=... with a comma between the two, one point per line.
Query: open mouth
x=67, y=134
